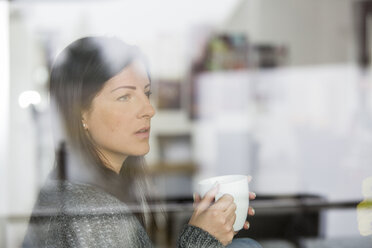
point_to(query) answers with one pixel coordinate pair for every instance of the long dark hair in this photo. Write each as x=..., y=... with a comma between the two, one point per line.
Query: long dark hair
x=77, y=75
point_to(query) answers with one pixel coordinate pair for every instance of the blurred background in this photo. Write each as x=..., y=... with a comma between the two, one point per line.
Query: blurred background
x=276, y=89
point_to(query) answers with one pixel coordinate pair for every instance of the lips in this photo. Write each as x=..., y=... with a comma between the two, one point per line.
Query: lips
x=143, y=133
x=143, y=130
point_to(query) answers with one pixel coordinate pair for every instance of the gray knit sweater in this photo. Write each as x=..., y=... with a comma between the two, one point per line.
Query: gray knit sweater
x=81, y=215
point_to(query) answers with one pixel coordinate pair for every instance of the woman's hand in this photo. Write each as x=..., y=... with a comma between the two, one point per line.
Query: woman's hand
x=251, y=211
x=216, y=218
x=197, y=201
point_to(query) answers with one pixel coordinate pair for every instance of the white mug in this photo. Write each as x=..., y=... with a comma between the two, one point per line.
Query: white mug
x=234, y=185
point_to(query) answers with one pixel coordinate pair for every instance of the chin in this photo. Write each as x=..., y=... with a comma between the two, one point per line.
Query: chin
x=141, y=152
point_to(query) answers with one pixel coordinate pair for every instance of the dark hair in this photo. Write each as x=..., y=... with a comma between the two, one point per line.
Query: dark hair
x=77, y=75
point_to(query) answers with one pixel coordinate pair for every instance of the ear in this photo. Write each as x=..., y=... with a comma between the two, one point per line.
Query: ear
x=84, y=117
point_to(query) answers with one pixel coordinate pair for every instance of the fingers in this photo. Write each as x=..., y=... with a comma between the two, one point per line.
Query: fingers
x=251, y=211
x=252, y=195
x=230, y=210
x=246, y=225
x=230, y=214
x=231, y=221
x=224, y=202
x=208, y=198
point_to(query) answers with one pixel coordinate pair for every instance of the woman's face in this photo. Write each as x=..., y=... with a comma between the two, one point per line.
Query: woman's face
x=118, y=121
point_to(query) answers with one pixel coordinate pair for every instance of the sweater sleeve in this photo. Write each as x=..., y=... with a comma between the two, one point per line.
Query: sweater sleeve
x=195, y=237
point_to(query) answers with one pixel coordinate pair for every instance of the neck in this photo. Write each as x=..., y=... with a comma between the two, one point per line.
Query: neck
x=113, y=161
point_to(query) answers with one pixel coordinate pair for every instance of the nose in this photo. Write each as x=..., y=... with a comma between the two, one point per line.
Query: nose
x=147, y=110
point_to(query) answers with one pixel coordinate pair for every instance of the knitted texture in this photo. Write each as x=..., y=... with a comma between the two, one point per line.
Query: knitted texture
x=192, y=237
x=81, y=215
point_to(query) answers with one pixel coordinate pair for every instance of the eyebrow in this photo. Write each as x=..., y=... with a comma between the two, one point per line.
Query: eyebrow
x=129, y=87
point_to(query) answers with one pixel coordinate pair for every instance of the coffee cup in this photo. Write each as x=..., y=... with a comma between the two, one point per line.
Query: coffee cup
x=234, y=185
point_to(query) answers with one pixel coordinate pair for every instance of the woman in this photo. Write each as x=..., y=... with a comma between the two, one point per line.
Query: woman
x=100, y=87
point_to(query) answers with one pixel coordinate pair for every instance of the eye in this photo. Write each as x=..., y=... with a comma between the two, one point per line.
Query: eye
x=124, y=98
x=148, y=94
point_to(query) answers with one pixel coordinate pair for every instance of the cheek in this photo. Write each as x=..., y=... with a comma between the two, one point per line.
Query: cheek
x=110, y=122
x=113, y=122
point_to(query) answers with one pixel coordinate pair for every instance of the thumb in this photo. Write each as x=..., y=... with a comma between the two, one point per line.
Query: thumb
x=208, y=198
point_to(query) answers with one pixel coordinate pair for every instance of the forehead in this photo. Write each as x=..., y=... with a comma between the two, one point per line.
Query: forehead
x=133, y=75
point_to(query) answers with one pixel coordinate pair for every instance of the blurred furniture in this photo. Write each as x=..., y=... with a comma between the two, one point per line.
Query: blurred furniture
x=172, y=180
x=280, y=219
x=285, y=217
x=173, y=184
